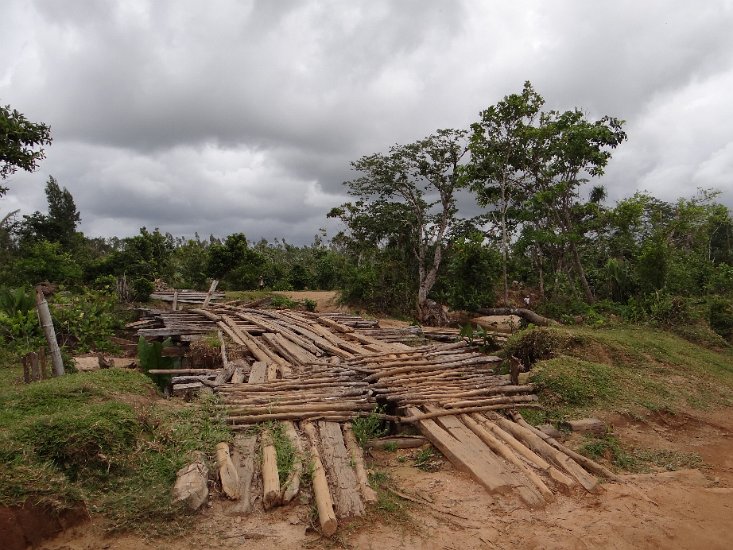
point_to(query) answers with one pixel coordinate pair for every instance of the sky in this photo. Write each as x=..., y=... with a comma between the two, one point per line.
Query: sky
x=244, y=115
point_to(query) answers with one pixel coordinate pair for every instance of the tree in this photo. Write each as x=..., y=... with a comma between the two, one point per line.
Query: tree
x=566, y=149
x=21, y=143
x=497, y=170
x=59, y=225
x=417, y=184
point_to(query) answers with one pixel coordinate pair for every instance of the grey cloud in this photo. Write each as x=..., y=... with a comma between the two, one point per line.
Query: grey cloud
x=229, y=115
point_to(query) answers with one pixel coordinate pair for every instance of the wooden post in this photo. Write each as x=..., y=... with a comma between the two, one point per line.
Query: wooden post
x=212, y=288
x=26, y=369
x=42, y=361
x=174, y=307
x=47, y=325
x=35, y=367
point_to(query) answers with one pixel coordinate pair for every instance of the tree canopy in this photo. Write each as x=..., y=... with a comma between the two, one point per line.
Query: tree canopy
x=21, y=143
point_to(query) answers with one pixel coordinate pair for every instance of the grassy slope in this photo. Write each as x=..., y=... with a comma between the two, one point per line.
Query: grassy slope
x=104, y=438
x=624, y=369
x=629, y=370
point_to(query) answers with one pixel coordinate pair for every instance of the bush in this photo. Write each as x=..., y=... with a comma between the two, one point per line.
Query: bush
x=85, y=321
x=141, y=289
x=536, y=344
x=721, y=318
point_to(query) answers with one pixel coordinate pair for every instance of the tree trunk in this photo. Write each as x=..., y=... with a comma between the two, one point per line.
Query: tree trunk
x=589, y=297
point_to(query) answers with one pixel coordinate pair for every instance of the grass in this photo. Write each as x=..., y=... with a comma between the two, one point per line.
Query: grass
x=368, y=427
x=426, y=460
x=284, y=449
x=580, y=370
x=389, y=507
x=609, y=448
x=102, y=438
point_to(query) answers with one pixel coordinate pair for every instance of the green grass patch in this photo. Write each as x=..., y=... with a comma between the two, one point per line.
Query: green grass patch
x=623, y=369
x=368, y=427
x=103, y=438
x=610, y=449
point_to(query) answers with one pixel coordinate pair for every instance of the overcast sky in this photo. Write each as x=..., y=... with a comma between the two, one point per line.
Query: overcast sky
x=224, y=116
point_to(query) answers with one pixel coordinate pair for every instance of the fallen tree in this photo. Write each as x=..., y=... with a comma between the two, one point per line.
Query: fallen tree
x=526, y=314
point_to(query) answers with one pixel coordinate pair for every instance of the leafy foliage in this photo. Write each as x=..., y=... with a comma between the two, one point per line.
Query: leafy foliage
x=21, y=143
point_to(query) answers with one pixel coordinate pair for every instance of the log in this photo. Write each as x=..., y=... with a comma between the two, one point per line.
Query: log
x=227, y=472
x=324, y=503
x=348, y=415
x=526, y=453
x=587, y=425
x=337, y=460
x=192, y=487
x=187, y=390
x=507, y=454
x=397, y=442
x=302, y=408
x=357, y=458
x=539, y=445
x=292, y=484
x=525, y=314
x=224, y=374
x=447, y=412
x=518, y=399
x=586, y=462
x=270, y=478
x=243, y=458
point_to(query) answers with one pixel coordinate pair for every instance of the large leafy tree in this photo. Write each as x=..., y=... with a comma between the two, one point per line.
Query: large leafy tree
x=21, y=143
x=499, y=150
x=409, y=194
x=566, y=150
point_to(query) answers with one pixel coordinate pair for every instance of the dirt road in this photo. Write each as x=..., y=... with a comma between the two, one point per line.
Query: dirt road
x=683, y=509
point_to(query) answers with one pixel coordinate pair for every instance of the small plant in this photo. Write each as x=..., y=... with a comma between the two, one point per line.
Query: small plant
x=284, y=449
x=390, y=447
x=309, y=305
x=368, y=427
x=426, y=460
x=150, y=355
x=283, y=302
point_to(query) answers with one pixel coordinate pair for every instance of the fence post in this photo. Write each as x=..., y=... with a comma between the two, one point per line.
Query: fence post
x=47, y=325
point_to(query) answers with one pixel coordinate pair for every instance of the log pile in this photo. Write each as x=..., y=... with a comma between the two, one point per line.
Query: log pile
x=310, y=375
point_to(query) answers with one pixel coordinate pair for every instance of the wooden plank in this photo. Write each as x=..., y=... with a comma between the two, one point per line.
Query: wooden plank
x=461, y=455
x=258, y=374
x=357, y=458
x=538, y=445
x=243, y=458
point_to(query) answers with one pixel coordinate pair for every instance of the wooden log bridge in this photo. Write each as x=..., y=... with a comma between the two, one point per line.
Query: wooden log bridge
x=304, y=378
